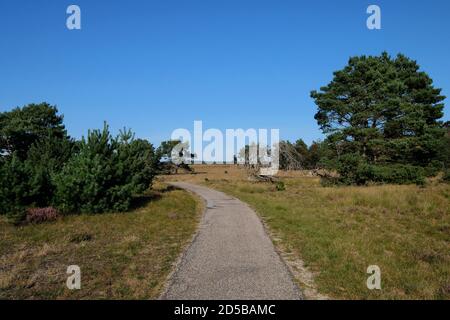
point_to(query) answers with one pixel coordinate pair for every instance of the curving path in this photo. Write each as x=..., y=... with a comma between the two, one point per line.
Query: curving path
x=231, y=257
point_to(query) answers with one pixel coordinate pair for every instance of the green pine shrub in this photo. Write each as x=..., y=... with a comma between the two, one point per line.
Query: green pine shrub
x=42, y=167
x=14, y=186
x=105, y=173
x=353, y=169
x=396, y=173
x=46, y=158
x=33, y=146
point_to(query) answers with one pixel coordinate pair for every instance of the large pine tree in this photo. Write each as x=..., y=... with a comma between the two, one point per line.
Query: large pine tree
x=383, y=111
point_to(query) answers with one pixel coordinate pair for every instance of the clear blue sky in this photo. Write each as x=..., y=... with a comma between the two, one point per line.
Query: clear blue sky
x=156, y=66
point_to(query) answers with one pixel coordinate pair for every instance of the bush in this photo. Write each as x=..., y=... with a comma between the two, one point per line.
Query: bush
x=353, y=169
x=397, y=173
x=29, y=182
x=16, y=215
x=41, y=166
x=46, y=158
x=280, y=186
x=105, y=173
x=40, y=215
x=20, y=128
x=446, y=176
x=33, y=146
x=14, y=185
x=347, y=166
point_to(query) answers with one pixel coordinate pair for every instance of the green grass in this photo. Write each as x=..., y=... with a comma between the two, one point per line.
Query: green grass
x=121, y=255
x=339, y=231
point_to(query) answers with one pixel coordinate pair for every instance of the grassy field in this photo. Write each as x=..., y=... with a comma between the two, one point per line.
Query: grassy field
x=339, y=231
x=121, y=255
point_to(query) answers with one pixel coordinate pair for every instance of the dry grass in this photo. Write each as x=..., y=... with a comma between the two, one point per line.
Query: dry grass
x=339, y=231
x=121, y=255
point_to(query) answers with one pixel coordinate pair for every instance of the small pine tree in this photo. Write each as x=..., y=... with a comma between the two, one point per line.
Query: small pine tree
x=105, y=174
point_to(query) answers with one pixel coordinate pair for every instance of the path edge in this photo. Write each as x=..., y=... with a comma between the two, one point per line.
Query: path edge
x=176, y=265
x=309, y=291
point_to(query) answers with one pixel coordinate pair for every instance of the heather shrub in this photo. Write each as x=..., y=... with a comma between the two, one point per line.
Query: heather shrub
x=40, y=215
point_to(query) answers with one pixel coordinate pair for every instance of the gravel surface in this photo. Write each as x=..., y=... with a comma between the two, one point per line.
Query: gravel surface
x=231, y=257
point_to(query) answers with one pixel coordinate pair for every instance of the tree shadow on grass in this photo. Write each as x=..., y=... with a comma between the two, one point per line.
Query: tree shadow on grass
x=169, y=188
x=141, y=201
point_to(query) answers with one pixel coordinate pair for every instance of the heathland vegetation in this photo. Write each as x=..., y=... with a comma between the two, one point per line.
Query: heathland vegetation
x=380, y=116
x=62, y=202
x=121, y=255
x=41, y=166
x=373, y=193
x=336, y=232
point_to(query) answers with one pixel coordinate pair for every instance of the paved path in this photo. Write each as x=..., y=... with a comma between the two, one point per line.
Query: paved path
x=231, y=257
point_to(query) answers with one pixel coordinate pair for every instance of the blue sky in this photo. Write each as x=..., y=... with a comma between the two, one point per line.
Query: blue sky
x=156, y=66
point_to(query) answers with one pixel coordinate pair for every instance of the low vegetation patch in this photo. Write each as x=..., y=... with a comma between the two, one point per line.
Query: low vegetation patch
x=121, y=255
x=40, y=215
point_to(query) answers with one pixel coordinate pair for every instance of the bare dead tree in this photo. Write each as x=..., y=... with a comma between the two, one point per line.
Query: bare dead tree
x=290, y=158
